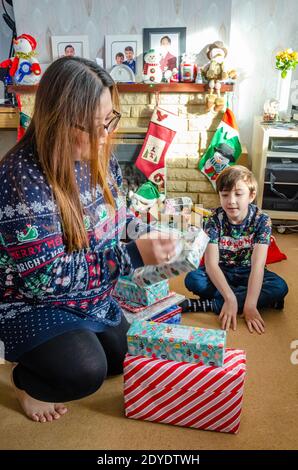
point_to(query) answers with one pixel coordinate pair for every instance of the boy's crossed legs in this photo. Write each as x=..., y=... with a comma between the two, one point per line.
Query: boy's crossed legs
x=272, y=294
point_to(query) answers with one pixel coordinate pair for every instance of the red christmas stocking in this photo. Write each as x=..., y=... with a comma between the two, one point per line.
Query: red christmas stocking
x=161, y=132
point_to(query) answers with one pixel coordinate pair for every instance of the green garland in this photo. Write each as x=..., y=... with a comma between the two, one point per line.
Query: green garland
x=23, y=55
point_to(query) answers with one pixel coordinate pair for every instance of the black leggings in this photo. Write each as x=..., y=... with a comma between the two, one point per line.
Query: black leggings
x=72, y=365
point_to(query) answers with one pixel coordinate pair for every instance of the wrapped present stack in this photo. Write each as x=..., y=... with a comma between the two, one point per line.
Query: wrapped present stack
x=146, y=293
x=154, y=302
x=183, y=376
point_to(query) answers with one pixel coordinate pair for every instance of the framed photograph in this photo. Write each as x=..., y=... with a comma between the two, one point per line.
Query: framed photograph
x=70, y=46
x=126, y=50
x=171, y=42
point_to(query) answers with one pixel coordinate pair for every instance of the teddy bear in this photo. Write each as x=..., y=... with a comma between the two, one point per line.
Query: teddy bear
x=214, y=72
x=152, y=72
x=24, y=68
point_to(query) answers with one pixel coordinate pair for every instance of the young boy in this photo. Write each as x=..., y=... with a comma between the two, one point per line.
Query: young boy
x=129, y=58
x=119, y=57
x=235, y=279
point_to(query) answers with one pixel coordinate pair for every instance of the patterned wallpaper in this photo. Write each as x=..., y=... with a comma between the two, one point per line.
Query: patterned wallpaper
x=100, y=17
x=254, y=30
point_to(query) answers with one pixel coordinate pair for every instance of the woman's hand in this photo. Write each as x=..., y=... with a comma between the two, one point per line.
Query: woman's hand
x=228, y=314
x=156, y=247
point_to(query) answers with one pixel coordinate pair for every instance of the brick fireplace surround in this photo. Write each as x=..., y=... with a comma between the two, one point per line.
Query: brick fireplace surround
x=196, y=128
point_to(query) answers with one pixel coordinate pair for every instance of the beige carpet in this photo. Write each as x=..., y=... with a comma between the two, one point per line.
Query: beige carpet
x=270, y=410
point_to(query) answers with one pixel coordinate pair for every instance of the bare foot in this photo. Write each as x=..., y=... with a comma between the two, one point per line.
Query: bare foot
x=36, y=410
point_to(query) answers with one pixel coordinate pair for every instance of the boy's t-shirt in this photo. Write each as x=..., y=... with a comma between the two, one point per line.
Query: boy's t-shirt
x=236, y=242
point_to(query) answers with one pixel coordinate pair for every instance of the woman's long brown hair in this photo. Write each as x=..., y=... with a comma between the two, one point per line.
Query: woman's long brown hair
x=69, y=94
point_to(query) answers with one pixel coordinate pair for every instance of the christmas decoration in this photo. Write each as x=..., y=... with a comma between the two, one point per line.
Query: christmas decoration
x=23, y=67
x=274, y=254
x=214, y=72
x=144, y=199
x=188, y=68
x=161, y=132
x=224, y=149
x=152, y=72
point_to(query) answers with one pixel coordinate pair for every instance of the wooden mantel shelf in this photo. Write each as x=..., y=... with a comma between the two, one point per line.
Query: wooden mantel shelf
x=168, y=87
x=28, y=89
x=140, y=88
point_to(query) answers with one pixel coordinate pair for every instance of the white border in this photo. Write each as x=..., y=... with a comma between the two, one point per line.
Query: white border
x=138, y=38
x=55, y=40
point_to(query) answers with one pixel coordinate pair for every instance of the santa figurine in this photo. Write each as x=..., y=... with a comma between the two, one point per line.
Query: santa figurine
x=24, y=68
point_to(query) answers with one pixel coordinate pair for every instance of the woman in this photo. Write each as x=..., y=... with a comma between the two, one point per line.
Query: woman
x=62, y=214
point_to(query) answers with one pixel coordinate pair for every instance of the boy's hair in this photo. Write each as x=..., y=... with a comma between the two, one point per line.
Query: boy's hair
x=228, y=178
x=120, y=54
x=128, y=48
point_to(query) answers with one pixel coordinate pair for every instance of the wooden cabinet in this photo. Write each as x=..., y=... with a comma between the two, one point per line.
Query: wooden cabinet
x=275, y=166
x=9, y=118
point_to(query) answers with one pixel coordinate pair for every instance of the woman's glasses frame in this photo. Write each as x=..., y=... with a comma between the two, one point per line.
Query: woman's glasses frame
x=110, y=127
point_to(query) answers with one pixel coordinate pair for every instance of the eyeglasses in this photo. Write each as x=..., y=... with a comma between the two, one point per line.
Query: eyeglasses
x=110, y=127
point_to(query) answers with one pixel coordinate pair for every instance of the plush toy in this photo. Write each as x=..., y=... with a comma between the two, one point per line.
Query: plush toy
x=23, y=67
x=214, y=72
x=144, y=199
x=152, y=72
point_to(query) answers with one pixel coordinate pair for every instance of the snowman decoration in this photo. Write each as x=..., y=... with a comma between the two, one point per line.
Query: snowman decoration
x=24, y=68
x=152, y=72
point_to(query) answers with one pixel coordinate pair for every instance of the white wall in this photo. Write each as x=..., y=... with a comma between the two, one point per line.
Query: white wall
x=253, y=29
x=258, y=30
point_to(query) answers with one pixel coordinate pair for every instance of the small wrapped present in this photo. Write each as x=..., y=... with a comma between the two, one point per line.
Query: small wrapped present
x=178, y=343
x=170, y=315
x=186, y=394
x=127, y=290
x=194, y=246
x=146, y=313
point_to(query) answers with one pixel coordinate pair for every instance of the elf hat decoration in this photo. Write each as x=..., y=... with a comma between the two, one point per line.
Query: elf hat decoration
x=147, y=193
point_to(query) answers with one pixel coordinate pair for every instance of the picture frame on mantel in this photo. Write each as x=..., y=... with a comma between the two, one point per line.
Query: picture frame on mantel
x=125, y=50
x=70, y=46
x=171, y=42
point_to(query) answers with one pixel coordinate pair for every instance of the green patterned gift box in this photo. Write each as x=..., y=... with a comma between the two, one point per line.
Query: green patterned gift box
x=178, y=343
x=127, y=290
x=194, y=245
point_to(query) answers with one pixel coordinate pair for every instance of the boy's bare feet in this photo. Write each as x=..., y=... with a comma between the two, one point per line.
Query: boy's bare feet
x=36, y=410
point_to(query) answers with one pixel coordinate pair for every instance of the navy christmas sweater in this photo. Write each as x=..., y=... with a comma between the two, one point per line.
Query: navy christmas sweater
x=43, y=290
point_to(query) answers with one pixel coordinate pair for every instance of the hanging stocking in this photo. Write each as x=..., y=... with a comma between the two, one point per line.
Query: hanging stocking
x=161, y=132
x=224, y=149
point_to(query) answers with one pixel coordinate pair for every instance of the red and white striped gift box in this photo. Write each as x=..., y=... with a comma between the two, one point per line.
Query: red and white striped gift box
x=185, y=394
